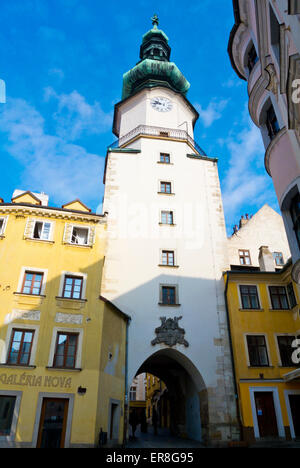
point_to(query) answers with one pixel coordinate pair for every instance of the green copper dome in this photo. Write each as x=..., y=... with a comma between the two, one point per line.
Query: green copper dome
x=155, y=68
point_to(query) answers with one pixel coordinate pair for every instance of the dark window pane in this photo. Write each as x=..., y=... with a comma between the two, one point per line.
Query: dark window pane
x=7, y=406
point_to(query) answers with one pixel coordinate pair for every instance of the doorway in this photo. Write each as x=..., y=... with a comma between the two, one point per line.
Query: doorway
x=266, y=415
x=294, y=401
x=53, y=422
x=114, y=420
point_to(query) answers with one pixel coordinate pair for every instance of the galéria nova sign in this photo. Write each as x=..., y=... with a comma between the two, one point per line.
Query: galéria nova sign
x=28, y=380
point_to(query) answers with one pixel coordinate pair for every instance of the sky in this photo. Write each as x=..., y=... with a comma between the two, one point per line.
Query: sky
x=63, y=61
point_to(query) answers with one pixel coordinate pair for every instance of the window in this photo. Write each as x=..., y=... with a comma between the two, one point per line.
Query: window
x=272, y=123
x=65, y=350
x=132, y=394
x=168, y=258
x=249, y=297
x=257, y=349
x=20, y=347
x=286, y=350
x=244, y=257
x=32, y=283
x=168, y=295
x=165, y=187
x=7, y=407
x=2, y=225
x=278, y=257
x=41, y=230
x=167, y=217
x=295, y=215
x=72, y=288
x=291, y=294
x=164, y=158
x=80, y=236
x=275, y=34
x=278, y=297
x=252, y=58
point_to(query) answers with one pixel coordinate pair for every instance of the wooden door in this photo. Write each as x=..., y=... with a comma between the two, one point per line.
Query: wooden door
x=295, y=410
x=53, y=423
x=266, y=416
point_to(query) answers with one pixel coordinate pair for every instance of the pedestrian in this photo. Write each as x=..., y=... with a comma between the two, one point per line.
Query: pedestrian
x=143, y=422
x=133, y=422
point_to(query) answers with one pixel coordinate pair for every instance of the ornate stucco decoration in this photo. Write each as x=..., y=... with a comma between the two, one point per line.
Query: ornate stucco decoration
x=273, y=83
x=169, y=332
x=258, y=96
x=68, y=318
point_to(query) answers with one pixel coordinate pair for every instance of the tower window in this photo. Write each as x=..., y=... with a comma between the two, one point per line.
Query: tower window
x=167, y=217
x=168, y=295
x=165, y=187
x=164, y=158
x=168, y=258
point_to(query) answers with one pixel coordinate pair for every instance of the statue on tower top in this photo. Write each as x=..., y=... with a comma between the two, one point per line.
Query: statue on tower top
x=154, y=20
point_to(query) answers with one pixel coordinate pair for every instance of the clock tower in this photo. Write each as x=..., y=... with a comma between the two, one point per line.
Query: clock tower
x=166, y=246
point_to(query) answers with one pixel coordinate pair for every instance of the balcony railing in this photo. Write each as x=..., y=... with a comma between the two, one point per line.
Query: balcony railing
x=174, y=134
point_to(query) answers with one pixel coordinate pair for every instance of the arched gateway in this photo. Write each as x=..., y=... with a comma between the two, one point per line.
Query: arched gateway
x=166, y=247
x=187, y=393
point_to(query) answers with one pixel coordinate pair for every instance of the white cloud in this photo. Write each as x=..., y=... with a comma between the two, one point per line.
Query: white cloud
x=246, y=182
x=232, y=83
x=213, y=111
x=63, y=170
x=75, y=116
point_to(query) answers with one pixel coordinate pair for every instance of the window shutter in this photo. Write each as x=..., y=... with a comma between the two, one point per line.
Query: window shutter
x=2, y=230
x=29, y=228
x=92, y=232
x=68, y=233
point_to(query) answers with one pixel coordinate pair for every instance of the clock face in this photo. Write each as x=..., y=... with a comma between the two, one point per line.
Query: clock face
x=161, y=104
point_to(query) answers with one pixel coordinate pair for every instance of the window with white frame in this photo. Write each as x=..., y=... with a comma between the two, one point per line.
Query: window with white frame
x=257, y=351
x=79, y=235
x=38, y=229
x=42, y=230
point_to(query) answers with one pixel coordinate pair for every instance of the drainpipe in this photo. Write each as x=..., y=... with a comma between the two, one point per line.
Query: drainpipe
x=232, y=358
x=126, y=400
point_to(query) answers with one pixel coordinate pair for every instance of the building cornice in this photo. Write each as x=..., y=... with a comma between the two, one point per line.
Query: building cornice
x=27, y=209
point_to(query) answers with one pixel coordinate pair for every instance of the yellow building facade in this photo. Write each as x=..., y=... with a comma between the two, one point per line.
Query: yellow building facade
x=157, y=397
x=62, y=345
x=264, y=323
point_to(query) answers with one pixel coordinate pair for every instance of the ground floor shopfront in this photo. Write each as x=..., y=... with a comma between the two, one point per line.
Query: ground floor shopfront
x=60, y=409
x=269, y=409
